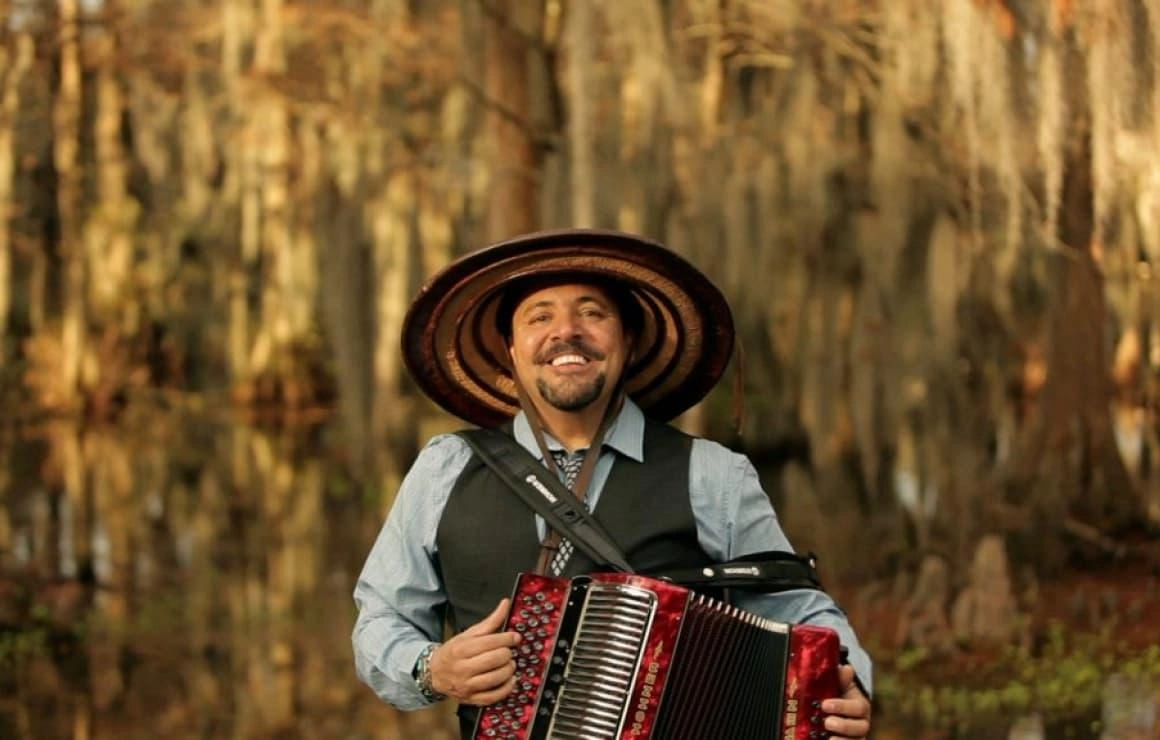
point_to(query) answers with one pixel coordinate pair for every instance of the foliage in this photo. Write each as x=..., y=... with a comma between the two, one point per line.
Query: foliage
x=1063, y=678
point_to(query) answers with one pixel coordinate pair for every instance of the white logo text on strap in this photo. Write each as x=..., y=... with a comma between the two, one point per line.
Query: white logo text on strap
x=540, y=487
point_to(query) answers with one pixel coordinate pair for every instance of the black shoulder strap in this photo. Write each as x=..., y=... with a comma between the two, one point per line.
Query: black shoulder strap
x=545, y=494
x=548, y=497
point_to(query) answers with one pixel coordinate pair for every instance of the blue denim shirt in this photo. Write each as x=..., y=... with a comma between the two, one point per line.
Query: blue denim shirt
x=399, y=593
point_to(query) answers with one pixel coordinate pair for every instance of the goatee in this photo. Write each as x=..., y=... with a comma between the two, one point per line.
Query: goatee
x=571, y=397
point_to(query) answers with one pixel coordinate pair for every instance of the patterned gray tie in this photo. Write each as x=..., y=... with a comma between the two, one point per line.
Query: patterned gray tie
x=569, y=464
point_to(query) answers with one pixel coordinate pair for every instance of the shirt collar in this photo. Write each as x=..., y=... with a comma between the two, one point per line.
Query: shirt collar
x=625, y=434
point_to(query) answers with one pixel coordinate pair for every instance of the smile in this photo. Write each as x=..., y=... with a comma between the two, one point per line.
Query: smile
x=568, y=360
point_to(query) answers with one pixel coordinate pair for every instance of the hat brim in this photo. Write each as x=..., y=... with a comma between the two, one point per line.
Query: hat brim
x=456, y=354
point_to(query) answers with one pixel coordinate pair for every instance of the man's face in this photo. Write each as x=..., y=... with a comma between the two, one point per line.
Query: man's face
x=568, y=344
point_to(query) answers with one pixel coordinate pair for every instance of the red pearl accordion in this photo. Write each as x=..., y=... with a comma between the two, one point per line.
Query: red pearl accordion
x=614, y=656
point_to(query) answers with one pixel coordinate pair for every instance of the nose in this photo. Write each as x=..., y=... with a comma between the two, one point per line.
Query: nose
x=566, y=326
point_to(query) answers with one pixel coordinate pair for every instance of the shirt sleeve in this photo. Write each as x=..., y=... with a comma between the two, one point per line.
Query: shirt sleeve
x=735, y=518
x=399, y=593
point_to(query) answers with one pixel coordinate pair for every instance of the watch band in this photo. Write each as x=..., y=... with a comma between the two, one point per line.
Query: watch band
x=422, y=674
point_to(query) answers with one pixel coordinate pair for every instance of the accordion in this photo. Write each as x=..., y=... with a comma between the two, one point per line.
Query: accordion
x=621, y=656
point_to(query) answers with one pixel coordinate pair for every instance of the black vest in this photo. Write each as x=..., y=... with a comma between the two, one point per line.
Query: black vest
x=487, y=535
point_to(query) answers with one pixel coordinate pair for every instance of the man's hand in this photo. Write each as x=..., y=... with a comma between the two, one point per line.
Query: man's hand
x=476, y=666
x=850, y=715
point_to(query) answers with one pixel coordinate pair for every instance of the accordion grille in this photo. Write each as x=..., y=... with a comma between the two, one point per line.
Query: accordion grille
x=598, y=679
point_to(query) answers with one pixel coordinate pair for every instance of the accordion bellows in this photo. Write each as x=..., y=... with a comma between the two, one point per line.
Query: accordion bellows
x=615, y=656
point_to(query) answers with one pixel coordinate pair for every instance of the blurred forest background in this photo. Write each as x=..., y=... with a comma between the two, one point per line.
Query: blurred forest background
x=938, y=224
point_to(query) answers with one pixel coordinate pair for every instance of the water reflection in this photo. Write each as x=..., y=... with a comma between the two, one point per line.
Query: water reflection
x=183, y=577
x=179, y=576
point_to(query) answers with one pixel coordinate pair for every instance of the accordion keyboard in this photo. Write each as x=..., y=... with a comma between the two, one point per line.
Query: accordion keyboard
x=603, y=663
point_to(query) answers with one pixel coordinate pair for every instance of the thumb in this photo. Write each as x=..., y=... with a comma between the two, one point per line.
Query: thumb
x=846, y=675
x=492, y=622
x=846, y=680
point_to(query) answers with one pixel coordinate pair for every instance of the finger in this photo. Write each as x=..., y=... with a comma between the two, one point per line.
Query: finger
x=491, y=697
x=475, y=646
x=463, y=678
x=857, y=708
x=491, y=680
x=846, y=678
x=488, y=661
x=492, y=622
x=847, y=727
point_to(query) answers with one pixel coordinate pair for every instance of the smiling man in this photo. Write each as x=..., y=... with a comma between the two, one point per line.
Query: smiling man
x=569, y=343
x=582, y=345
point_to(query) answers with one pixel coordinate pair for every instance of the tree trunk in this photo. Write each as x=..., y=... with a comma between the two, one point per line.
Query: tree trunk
x=581, y=136
x=15, y=61
x=108, y=233
x=280, y=311
x=510, y=29
x=66, y=143
x=242, y=185
x=348, y=313
x=392, y=233
x=643, y=121
x=1071, y=430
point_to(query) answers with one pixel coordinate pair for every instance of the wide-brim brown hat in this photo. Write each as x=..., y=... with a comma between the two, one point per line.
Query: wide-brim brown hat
x=455, y=351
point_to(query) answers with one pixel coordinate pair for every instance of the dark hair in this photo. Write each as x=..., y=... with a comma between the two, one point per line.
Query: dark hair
x=631, y=315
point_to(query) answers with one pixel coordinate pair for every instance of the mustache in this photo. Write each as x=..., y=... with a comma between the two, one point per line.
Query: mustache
x=574, y=346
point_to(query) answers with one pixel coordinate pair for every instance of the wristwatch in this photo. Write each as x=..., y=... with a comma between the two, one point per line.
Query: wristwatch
x=421, y=672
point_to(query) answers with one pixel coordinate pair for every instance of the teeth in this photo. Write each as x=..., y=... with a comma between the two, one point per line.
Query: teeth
x=567, y=359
